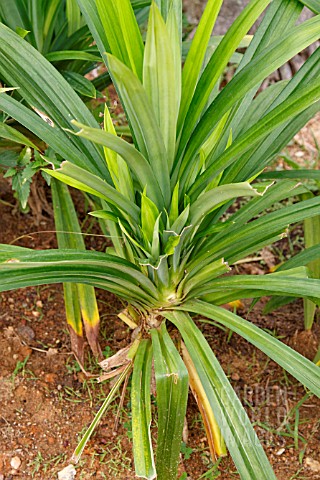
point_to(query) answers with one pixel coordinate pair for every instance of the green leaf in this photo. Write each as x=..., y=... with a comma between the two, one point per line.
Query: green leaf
x=22, y=32
x=217, y=65
x=143, y=122
x=159, y=78
x=14, y=135
x=80, y=84
x=73, y=15
x=15, y=14
x=64, y=55
x=37, y=22
x=209, y=200
x=141, y=3
x=78, y=178
x=241, y=440
x=172, y=393
x=149, y=215
x=314, y=5
x=90, y=12
x=47, y=91
x=141, y=412
x=21, y=176
x=302, y=258
x=251, y=163
x=195, y=57
x=9, y=159
x=200, y=275
x=174, y=208
x=171, y=244
x=295, y=104
x=82, y=301
x=122, y=32
x=136, y=161
x=302, y=369
x=300, y=174
x=239, y=241
x=100, y=270
x=271, y=284
x=81, y=446
x=263, y=64
x=311, y=237
x=56, y=138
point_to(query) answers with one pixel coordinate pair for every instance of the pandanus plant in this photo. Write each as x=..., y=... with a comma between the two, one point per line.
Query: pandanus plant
x=165, y=200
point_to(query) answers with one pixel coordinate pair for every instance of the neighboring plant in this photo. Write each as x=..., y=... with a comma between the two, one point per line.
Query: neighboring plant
x=165, y=202
x=57, y=29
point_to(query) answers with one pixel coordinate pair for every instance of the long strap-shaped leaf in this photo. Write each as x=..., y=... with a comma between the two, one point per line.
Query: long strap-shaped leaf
x=159, y=77
x=278, y=20
x=234, y=242
x=240, y=438
x=142, y=120
x=62, y=55
x=302, y=258
x=314, y=5
x=55, y=137
x=273, y=283
x=141, y=412
x=90, y=13
x=166, y=5
x=222, y=296
x=136, y=161
x=195, y=57
x=73, y=15
x=44, y=88
x=16, y=15
x=172, y=394
x=275, y=193
x=301, y=368
x=209, y=200
x=87, y=182
x=251, y=161
x=291, y=107
x=104, y=407
x=109, y=272
x=256, y=159
x=14, y=135
x=66, y=221
x=265, y=63
x=122, y=32
x=216, y=66
x=71, y=299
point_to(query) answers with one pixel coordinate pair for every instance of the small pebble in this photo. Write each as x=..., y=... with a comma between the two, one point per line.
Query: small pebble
x=39, y=304
x=281, y=451
x=299, y=154
x=26, y=333
x=235, y=376
x=68, y=473
x=51, y=352
x=50, y=377
x=314, y=465
x=15, y=463
x=36, y=314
